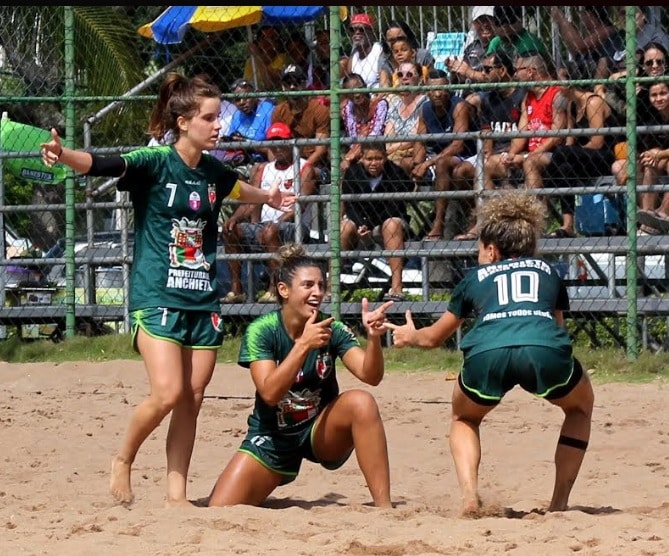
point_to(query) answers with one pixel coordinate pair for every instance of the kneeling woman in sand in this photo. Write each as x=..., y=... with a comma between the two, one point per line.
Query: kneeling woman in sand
x=299, y=412
x=518, y=339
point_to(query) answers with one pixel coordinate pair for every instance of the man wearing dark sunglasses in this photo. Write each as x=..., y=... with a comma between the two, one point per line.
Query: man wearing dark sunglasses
x=367, y=56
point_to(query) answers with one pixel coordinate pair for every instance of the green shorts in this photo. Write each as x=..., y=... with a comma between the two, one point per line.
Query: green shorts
x=543, y=371
x=191, y=329
x=283, y=453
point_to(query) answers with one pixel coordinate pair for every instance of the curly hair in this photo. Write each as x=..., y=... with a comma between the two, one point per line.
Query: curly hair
x=513, y=221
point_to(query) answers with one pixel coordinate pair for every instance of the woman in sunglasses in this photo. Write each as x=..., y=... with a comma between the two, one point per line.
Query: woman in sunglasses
x=402, y=51
x=403, y=115
x=653, y=63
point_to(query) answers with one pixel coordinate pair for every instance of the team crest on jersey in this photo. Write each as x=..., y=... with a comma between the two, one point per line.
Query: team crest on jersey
x=186, y=251
x=211, y=193
x=194, y=200
x=288, y=185
x=217, y=322
x=323, y=365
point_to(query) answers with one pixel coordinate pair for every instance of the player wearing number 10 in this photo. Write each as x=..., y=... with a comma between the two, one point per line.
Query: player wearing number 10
x=517, y=338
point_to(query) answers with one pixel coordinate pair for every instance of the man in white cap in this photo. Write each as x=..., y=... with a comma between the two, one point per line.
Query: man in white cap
x=482, y=30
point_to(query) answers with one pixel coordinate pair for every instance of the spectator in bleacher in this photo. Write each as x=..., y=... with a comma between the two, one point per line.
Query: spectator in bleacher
x=654, y=161
x=594, y=46
x=367, y=57
x=249, y=123
x=362, y=115
x=653, y=64
x=398, y=29
x=518, y=339
x=615, y=94
x=321, y=59
x=267, y=59
x=654, y=60
x=261, y=228
x=543, y=108
x=442, y=112
x=402, y=120
x=648, y=36
x=384, y=221
x=583, y=157
x=482, y=30
x=513, y=38
x=303, y=56
x=498, y=111
x=647, y=32
x=307, y=119
x=300, y=55
x=402, y=51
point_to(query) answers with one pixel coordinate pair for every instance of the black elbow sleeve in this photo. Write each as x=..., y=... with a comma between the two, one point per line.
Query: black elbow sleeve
x=109, y=166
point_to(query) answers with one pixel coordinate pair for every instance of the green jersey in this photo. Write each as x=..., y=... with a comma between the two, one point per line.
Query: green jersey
x=315, y=383
x=176, y=211
x=514, y=303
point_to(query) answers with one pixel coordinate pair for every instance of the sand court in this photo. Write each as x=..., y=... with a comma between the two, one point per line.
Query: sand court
x=61, y=424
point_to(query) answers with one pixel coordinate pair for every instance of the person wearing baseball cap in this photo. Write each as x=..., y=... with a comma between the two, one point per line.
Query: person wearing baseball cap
x=479, y=12
x=293, y=75
x=305, y=116
x=482, y=30
x=362, y=19
x=250, y=230
x=367, y=56
x=279, y=130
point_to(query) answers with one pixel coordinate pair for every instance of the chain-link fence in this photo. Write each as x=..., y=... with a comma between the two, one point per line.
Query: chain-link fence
x=408, y=117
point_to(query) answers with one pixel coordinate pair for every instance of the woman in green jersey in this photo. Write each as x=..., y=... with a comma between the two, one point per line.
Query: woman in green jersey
x=177, y=191
x=299, y=412
x=518, y=338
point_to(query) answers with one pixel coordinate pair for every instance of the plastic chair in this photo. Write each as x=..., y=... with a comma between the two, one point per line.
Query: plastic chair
x=447, y=45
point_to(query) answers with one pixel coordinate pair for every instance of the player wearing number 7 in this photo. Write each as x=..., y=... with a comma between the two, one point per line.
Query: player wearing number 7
x=177, y=191
x=518, y=338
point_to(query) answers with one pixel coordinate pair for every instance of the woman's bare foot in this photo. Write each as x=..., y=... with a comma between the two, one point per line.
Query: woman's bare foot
x=471, y=507
x=119, y=484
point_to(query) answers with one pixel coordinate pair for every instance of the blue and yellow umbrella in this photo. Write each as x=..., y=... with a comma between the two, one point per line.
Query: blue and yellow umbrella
x=171, y=26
